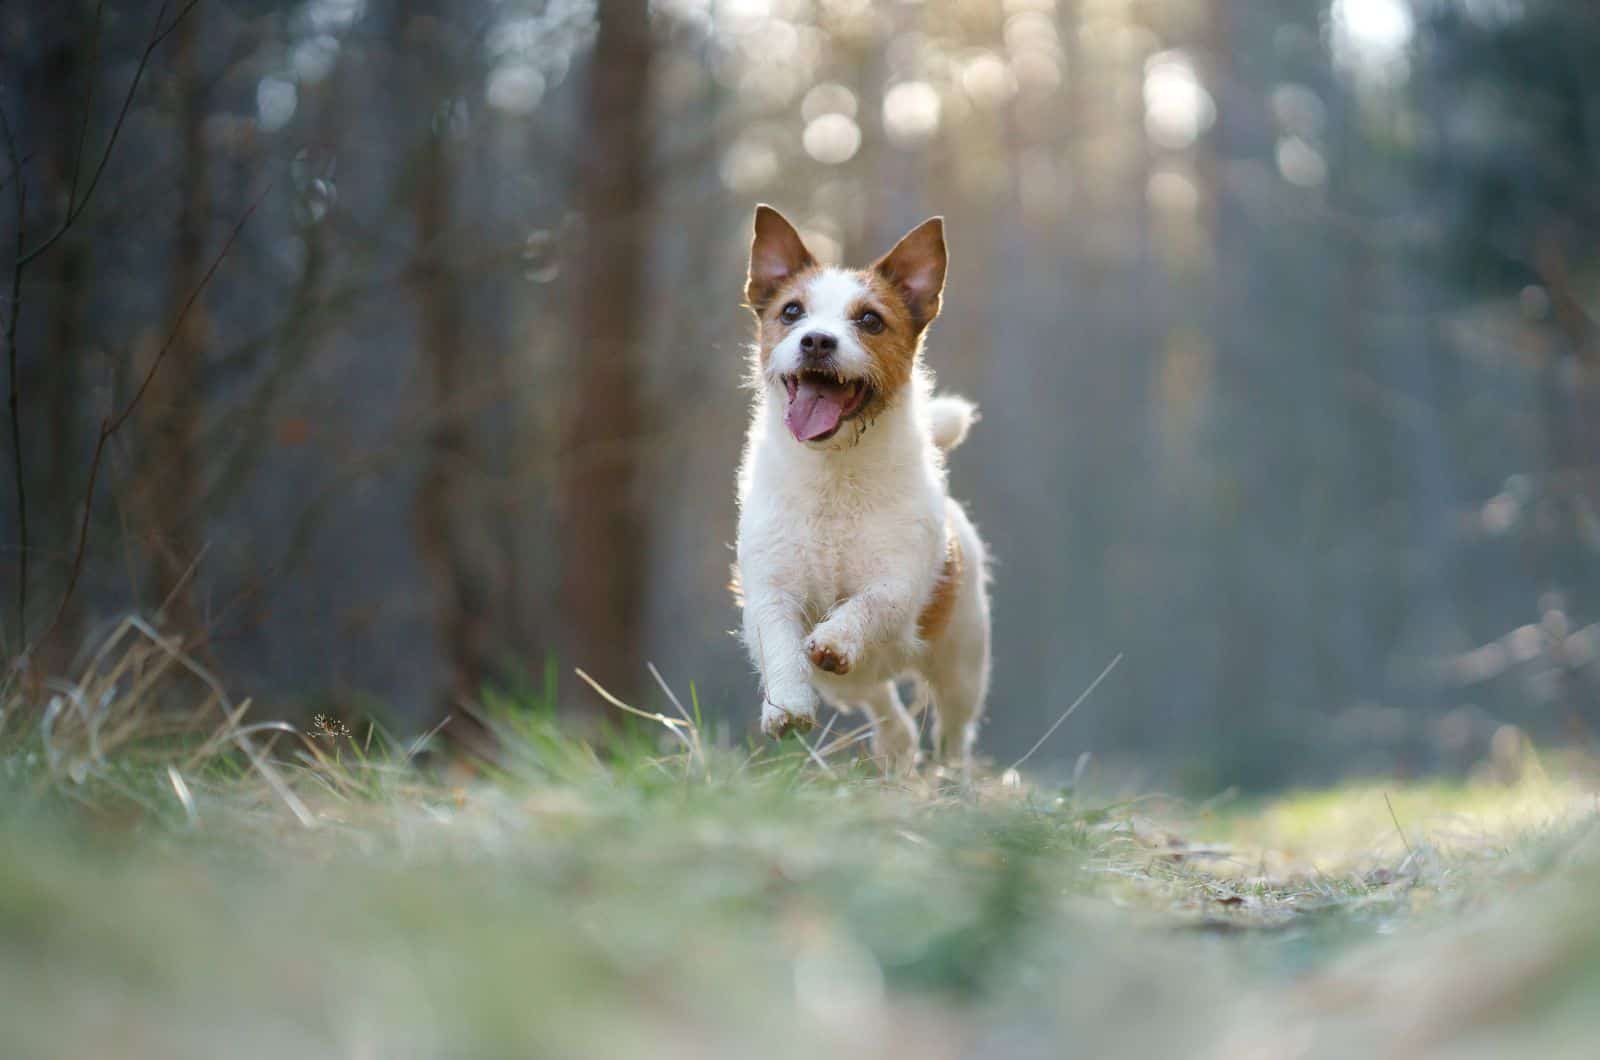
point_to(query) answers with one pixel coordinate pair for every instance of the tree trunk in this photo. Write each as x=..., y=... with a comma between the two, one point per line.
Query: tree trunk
x=604, y=548
x=449, y=512
x=445, y=508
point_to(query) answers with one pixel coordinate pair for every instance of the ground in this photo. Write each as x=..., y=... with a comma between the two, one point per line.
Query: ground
x=167, y=894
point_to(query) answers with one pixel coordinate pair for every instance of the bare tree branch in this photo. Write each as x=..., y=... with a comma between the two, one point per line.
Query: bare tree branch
x=16, y=171
x=76, y=206
x=88, y=105
x=112, y=424
x=23, y=257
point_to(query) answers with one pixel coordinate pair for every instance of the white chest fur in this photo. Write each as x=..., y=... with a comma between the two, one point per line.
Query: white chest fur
x=863, y=520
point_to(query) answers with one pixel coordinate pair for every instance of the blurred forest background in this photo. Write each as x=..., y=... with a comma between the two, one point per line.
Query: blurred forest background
x=389, y=350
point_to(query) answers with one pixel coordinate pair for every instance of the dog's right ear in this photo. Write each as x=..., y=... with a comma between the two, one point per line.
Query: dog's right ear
x=776, y=255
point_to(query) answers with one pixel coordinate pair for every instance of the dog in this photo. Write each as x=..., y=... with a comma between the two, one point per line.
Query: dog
x=856, y=569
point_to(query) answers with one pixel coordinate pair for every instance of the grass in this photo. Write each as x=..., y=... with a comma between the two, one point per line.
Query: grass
x=177, y=884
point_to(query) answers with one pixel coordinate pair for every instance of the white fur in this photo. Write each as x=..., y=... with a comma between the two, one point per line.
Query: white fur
x=949, y=420
x=829, y=297
x=840, y=547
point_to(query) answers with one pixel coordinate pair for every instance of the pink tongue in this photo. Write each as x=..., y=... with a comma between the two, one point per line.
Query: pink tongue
x=815, y=409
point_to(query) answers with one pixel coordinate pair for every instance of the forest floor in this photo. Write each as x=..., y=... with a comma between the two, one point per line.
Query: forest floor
x=251, y=891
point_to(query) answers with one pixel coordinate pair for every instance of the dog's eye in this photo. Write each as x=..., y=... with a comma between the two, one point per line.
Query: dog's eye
x=791, y=312
x=870, y=322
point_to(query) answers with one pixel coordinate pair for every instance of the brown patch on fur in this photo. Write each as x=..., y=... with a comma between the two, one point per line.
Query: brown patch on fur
x=735, y=586
x=942, y=604
x=894, y=349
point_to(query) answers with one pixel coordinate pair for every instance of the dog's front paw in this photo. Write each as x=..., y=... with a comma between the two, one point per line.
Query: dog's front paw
x=779, y=721
x=829, y=653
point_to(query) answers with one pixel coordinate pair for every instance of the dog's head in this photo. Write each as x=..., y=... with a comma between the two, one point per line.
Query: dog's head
x=837, y=346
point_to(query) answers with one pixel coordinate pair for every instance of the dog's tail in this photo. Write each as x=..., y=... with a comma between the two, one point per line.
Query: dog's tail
x=949, y=419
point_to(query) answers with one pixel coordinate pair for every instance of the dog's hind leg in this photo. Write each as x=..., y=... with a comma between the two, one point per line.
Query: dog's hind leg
x=958, y=693
x=894, y=734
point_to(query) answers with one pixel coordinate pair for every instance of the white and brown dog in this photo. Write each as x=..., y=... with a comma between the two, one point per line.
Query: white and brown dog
x=856, y=568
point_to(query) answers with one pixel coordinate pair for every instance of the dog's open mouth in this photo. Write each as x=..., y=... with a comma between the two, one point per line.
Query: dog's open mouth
x=819, y=402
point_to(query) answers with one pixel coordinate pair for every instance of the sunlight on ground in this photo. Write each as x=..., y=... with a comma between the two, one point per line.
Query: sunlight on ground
x=1361, y=826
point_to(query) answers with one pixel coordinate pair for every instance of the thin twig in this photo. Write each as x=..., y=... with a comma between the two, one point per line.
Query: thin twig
x=421, y=743
x=89, y=80
x=818, y=759
x=183, y=314
x=112, y=424
x=672, y=725
x=844, y=741
x=822, y=737
x=1396, y=819
x=667, y=689
x=695, y=750
x=1112, y=665
x=16, y=171
x=75, y=210
x=188, y=573
x=185, y=796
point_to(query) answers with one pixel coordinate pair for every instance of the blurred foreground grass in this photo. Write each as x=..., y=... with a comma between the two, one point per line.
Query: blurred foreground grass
x=175, y=889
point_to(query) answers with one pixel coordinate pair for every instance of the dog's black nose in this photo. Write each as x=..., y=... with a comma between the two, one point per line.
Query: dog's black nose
x=818, y=344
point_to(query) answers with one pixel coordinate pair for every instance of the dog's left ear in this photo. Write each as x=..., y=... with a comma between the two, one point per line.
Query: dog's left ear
x=776, y=254
x=916, y=268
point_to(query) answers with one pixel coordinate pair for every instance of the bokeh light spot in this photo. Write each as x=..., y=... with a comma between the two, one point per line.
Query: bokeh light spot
x=1371, y=37
x=515, y=88
x=832, y=139
x=911, y=112
x=276, y=100
x=1178, y=109
x=312, y=59
x=988, y=80
x=1301, y=163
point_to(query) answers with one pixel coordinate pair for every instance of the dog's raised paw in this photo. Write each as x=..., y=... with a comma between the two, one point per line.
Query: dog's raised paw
x=828, y=657
x=777, y=722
